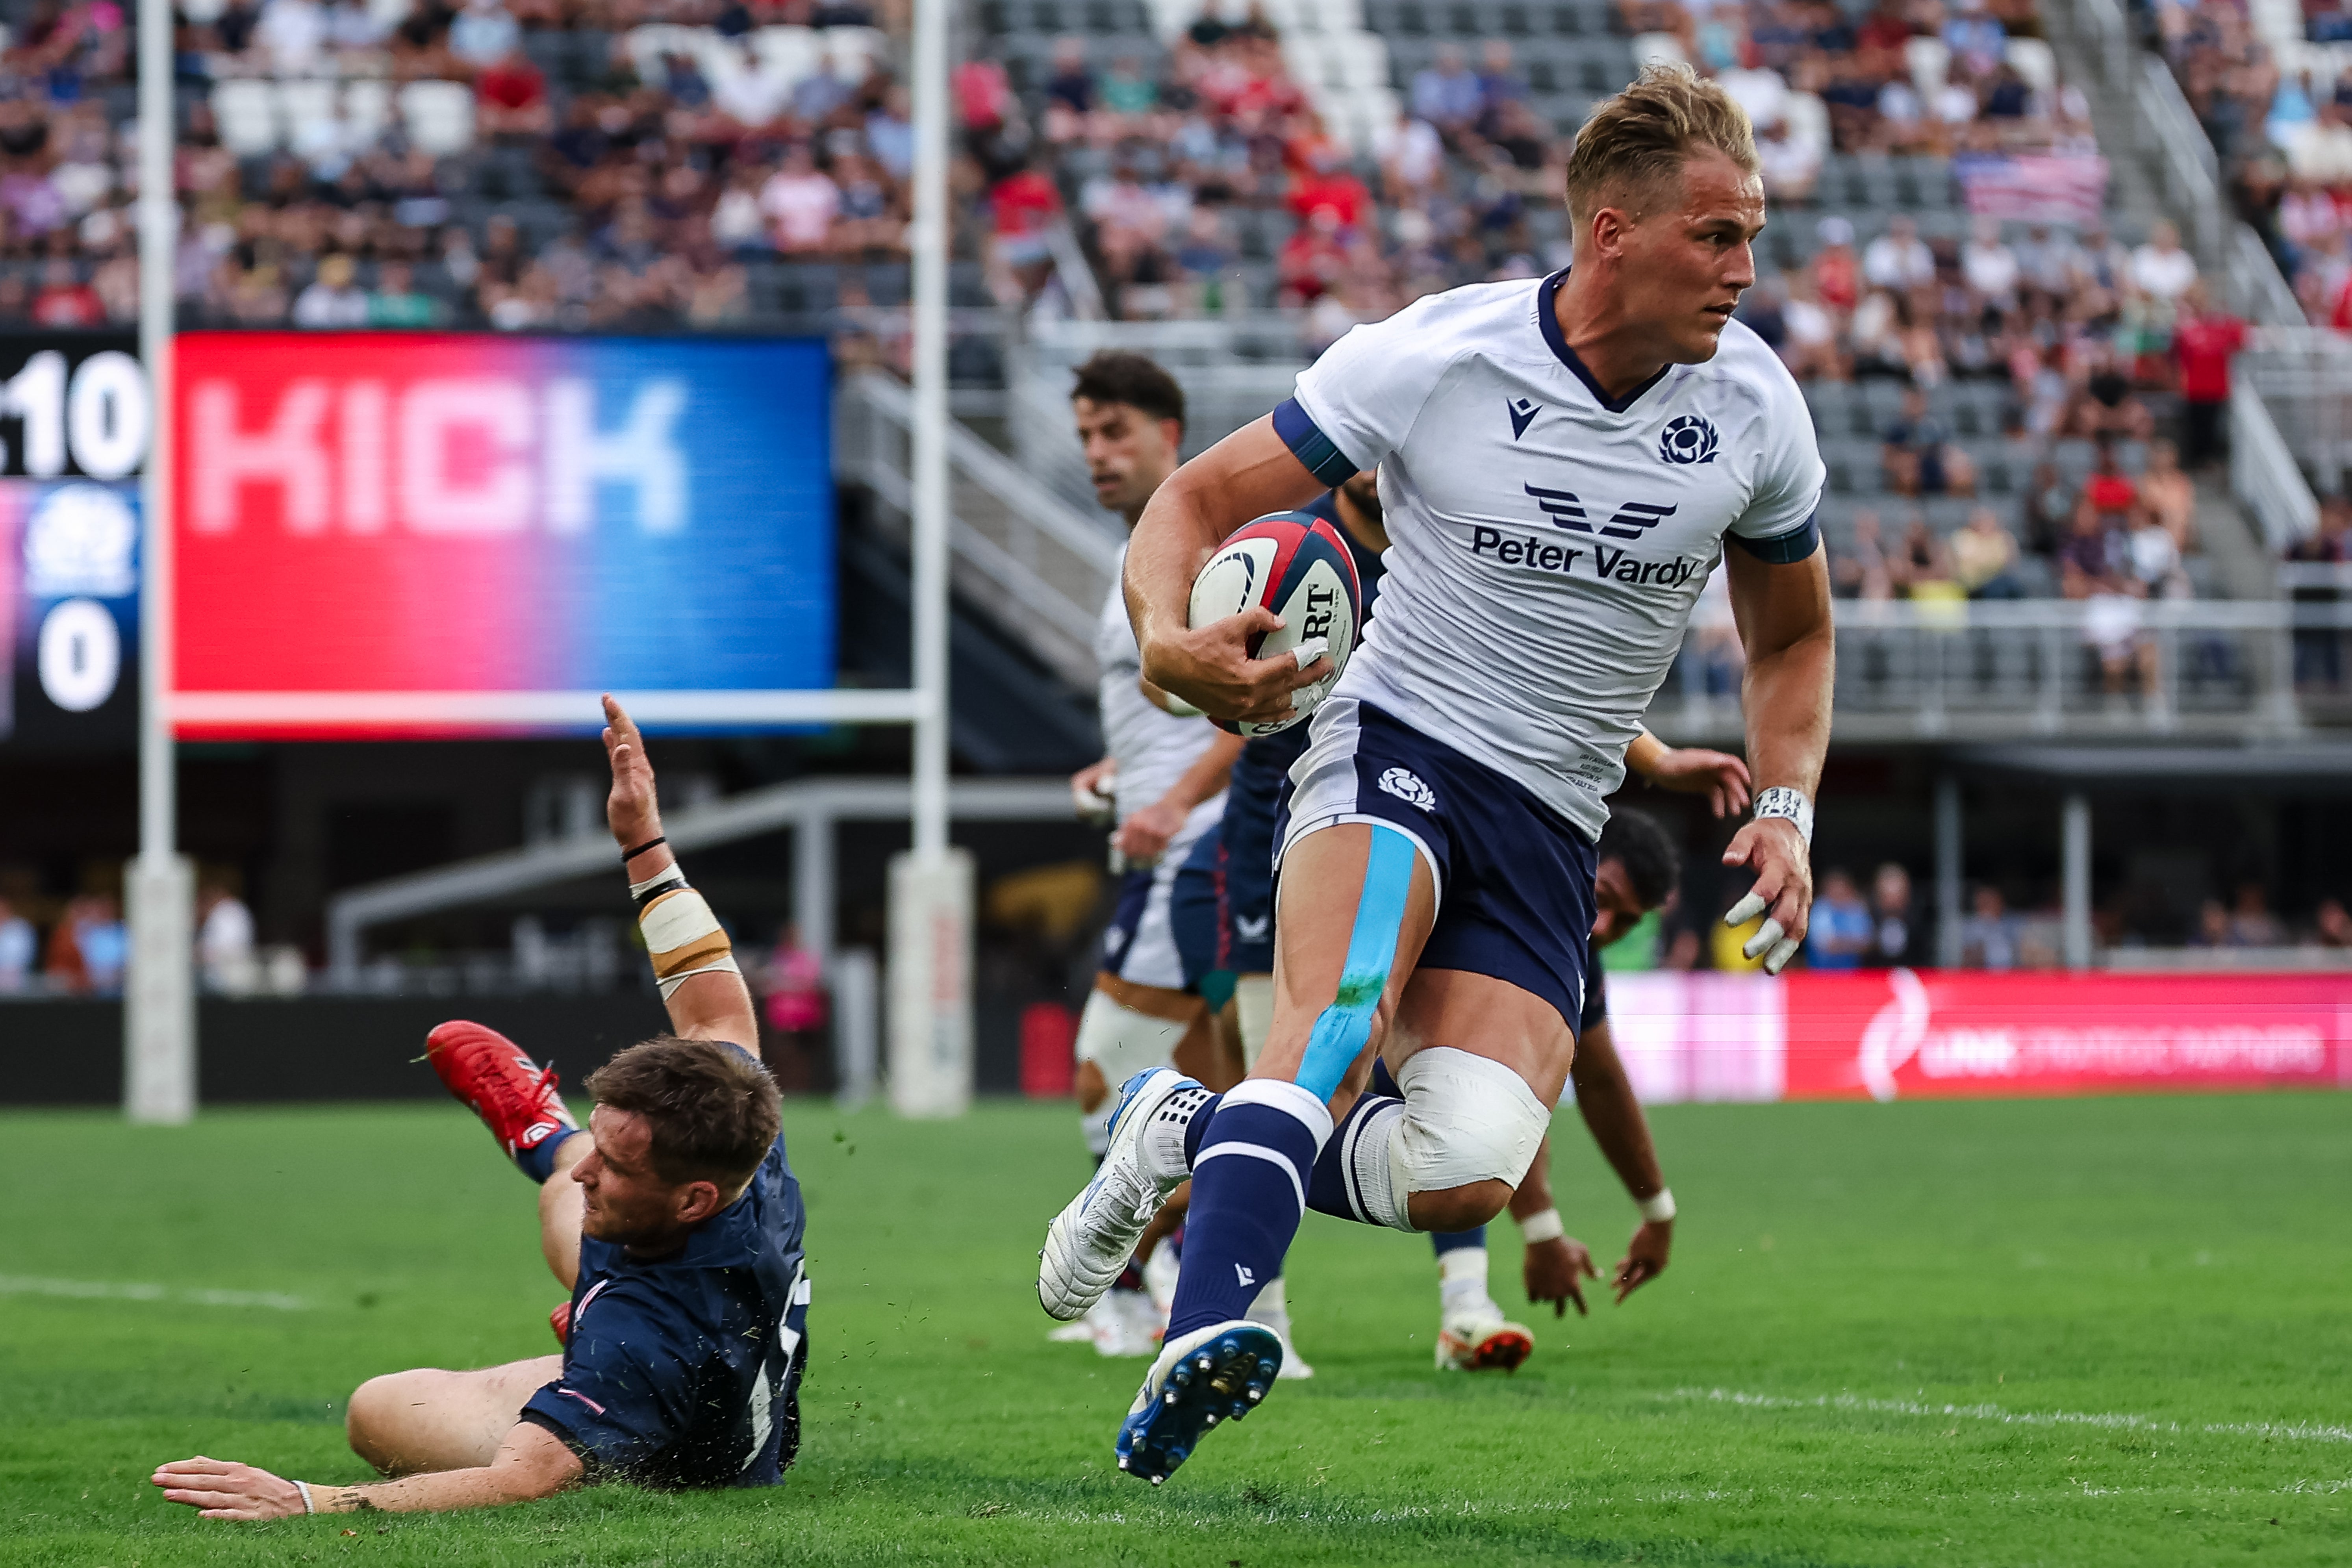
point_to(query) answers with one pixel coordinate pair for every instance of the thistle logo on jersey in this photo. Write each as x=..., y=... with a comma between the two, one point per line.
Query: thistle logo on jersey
x=1523, y=413
x=1406, y=785
x=1689, y=439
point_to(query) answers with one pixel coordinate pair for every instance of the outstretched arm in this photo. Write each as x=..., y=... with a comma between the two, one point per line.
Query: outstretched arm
x=1555, y=1265
x=533, y=1462
x=1691, y=769
x=1783, y=613
x=693, y=960
x=1248, y=474
x=1604, y=1098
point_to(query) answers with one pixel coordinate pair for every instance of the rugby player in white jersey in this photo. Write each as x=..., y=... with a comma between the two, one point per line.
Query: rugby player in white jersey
x=1166, y=777
x=1561, y=463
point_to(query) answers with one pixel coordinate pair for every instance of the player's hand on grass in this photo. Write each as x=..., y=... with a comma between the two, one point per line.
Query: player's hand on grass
x=1555, y=1270
x=1209, y=668
x=1783, y=894
x=631, y=809
x=221, y=1489
x=1693, y=770
x=1646, y=1258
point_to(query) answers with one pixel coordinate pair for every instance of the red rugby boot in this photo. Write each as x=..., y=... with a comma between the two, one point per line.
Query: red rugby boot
x=514, y=1096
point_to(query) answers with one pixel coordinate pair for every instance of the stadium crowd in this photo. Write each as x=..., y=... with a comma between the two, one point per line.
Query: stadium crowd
x=592, y=170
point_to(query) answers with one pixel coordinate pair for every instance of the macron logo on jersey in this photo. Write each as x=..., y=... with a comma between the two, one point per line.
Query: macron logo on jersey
x=1523, y=414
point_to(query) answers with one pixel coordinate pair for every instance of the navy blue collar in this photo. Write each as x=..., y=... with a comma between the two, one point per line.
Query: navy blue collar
x=1547, y=317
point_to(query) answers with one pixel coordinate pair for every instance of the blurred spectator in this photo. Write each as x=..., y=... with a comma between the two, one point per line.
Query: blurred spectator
x=2252, y=924
x=333, y=299
x=19, y=947
x=2204, y=340
x=2169, y=496
x=65, y=301
x=1918, y=457
x=483, y=34
x=2160, y=267
x=510, y=98
x=1865, y=571
x=224, y=938
x=89, y=947
x=1891, y=918
x=396, y=302
x=1445, y=93
x=1841, y=928
x=1984, y=558
x=1989, y=934
x=1898, y=260
x=801, y=202
x=2331, y=925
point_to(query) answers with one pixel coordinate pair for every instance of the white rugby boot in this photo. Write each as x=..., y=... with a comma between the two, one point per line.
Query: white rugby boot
x=1125, y=1325
x=1091, y=1241
x=1480, y=1339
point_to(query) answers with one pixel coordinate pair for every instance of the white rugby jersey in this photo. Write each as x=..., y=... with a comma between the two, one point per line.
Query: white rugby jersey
x=1547, y=544
x=1153, y=747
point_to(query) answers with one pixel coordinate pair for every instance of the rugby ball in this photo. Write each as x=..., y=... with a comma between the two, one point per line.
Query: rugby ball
x=1296, y=565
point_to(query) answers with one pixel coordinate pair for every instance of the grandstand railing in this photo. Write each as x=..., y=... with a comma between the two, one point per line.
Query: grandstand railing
x=2301, y=382
x=2222, y=669
x=1039, y=566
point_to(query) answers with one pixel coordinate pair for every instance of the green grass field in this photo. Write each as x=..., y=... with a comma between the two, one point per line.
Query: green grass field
x=2037, y=1332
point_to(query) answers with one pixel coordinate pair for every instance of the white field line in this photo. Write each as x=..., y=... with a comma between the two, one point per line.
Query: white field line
x=2285, y=1431
x=135, y=1291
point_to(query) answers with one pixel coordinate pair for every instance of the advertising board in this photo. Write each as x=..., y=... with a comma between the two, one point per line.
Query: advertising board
x=382, y=534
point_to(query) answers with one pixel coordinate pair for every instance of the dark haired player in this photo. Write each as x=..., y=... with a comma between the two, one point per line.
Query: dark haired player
x=674, y=1220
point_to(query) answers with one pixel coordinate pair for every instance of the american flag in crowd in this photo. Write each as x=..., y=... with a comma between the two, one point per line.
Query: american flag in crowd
x=2035, y=187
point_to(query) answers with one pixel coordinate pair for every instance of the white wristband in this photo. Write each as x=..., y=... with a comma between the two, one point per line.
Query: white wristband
x=1659, y=1207
x=1544, y=1226
x=304, y=1488
x=1793, y=803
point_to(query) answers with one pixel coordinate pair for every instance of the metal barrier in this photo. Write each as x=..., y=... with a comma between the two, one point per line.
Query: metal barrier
x=2111, y=667
x=1040, y=565
x=2304, y=375
x=2191, y=175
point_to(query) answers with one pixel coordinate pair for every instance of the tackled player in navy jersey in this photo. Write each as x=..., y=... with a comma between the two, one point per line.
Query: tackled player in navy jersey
x=1561, y=463
x=673, y=1218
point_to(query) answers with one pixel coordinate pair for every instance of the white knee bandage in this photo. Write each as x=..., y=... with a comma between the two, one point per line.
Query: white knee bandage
x=1254, y=1011
x=1467, y=1120
x=1122, y=1042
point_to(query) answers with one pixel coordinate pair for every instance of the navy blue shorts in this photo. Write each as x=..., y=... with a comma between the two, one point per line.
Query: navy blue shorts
x=1223, y=907
x=1514, y=877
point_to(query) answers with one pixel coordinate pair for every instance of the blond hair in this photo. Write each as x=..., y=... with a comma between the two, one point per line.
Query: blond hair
x=1642, y=137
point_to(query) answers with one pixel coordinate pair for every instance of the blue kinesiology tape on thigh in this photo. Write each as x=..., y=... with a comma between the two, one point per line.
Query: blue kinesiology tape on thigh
x=1340, y=1033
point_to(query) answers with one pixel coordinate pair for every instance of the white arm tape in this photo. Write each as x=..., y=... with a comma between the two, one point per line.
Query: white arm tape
x=1793, y=803
x=1544, y=1226
x=308, y=1504
x=668, y=876
x=1659, y=1207
x=683, y=938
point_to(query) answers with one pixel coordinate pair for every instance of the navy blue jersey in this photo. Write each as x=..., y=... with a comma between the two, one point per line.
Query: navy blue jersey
x=685, y=1371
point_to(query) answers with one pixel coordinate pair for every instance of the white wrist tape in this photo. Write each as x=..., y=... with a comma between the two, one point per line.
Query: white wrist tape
x=669, y=876
x=1659, y=1207
x=1793, y=803
x=307, y=1506
x=683, y=938
x=1544, y=1226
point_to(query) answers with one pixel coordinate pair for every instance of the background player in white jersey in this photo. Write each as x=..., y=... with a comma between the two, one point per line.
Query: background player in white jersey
x=1560, y=464
x=1167, y=777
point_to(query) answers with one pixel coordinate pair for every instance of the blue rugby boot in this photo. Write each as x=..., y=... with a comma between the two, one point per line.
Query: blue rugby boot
x=1212, y=1374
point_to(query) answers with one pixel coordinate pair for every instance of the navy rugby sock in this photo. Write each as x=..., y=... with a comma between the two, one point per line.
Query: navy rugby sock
x=1444, y=1241
x=1249, y=1180
x=538, y=1161
x=1338, y=1187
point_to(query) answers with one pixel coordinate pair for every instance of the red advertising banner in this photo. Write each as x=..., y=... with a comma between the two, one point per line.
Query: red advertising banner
x=1900, y=1034
x=1903, y=1033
